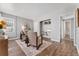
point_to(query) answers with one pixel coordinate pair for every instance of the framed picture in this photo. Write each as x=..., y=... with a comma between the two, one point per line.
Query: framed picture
x=77, y=17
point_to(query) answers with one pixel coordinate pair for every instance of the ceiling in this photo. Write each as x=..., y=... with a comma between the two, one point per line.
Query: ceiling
x=35, y=10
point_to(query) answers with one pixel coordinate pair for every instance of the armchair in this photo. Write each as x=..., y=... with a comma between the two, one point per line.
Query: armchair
x=34, y=40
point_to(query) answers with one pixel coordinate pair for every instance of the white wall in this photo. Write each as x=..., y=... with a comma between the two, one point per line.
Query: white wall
x=55, y=26
x=77, y=37
x=36, y=27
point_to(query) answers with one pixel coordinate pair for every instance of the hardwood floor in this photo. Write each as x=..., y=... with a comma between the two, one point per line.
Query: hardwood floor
x=50, y=50
x=65, y=48
x=14, y=49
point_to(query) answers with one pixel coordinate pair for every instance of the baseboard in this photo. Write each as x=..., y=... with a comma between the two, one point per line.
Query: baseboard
x=15, y=38
x=51, y=39
x=55, y=40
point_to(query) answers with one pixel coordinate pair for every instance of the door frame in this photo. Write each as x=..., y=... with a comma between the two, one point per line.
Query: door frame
x=68, y=17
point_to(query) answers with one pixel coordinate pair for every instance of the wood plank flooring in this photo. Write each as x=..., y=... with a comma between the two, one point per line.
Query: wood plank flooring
x=65, y=48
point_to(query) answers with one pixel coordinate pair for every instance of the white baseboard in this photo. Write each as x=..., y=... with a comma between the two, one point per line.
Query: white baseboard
x=13, y=38
x=55, y=40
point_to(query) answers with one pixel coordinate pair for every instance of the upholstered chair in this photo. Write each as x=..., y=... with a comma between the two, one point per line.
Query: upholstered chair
x=34, y=40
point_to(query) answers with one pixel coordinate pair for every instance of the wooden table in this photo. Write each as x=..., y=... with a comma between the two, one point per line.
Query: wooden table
x=3, y=47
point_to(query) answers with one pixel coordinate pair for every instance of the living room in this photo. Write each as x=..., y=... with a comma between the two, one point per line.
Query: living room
x=45, y=21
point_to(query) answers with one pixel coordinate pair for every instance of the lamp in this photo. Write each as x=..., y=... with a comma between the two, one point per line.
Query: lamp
x=2, y=24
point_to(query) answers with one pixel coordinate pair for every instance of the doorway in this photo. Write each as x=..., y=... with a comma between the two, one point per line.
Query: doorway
x=67, y=29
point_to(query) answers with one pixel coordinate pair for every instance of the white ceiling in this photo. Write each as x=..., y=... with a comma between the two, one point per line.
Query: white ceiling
x=35, y=10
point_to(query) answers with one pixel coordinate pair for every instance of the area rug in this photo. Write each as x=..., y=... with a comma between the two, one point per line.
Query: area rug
x=14, y=49
x=31, y=51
